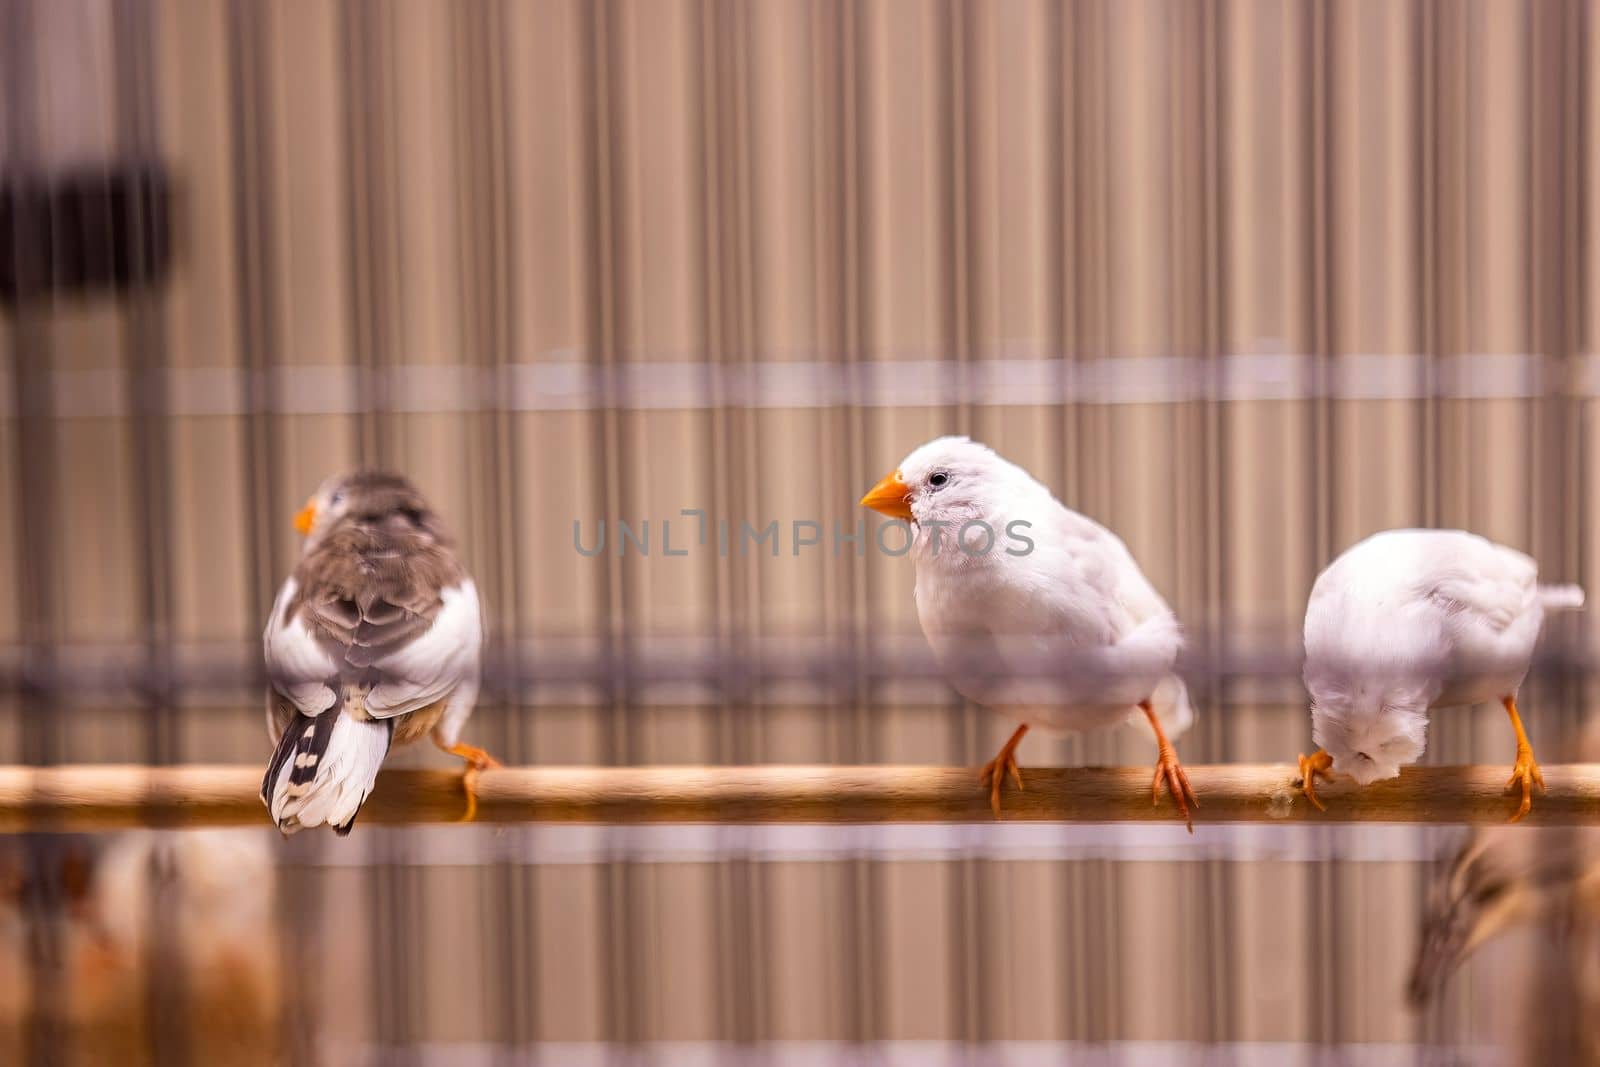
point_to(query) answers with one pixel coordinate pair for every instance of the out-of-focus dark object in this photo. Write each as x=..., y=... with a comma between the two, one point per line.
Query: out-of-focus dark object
x=154, y=947
x=1501, y=879
x=83, y=232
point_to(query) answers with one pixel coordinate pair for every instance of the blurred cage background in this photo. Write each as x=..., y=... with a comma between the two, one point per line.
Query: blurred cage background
x=1245, y=280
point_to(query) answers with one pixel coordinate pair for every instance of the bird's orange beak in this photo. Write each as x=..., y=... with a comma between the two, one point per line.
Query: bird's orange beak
x=891, y=497
x=306, y=517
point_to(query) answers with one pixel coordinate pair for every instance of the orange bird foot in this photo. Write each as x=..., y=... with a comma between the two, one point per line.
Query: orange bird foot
x=1525, y=773
x=995, y=771
x=1318, y=764
x=477, y=760
x=1170, y=772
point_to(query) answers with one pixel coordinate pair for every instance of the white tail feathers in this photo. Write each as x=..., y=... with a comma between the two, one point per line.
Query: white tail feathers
x=323, y=770
x=1171, y=704
x=1561, y=597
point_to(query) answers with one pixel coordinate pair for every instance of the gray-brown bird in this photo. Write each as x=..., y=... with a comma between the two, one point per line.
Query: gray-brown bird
x=96, y=929
x=374, y=640
x=1498, y=880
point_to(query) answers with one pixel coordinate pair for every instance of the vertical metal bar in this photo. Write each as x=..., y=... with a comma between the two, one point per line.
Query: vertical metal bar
x=748, y=880
x=1323, y=899
x=1554, y=997
x=1428, y=237
x=1066, y=30
x=144, y=337
x=1213, y=458
x=38, y=578
x=255, y=284
x=355, y=32
x=602, y=81
x=486, y=206
x=46, y=1037
x=709, y=134
x=953, y=36
x=372, y=253
x=847, y=41
x=133, y=25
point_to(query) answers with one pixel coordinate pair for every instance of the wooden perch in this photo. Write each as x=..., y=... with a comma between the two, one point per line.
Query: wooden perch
x=80, y=798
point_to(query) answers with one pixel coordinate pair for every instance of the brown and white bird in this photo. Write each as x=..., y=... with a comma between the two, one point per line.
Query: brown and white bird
x=374, y=640
x=1500, y=879
x=1412, y=620
x=95, y=929
x=1033, y=610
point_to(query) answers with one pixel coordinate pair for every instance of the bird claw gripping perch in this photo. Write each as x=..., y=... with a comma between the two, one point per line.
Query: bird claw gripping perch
x=995, y=771
x=477, y=760
x=1170, y=771
x=1318, y=764
x=1526, y=774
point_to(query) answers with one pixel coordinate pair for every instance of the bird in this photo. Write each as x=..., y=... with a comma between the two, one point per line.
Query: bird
x=98, y=930
x=1407, y=621
x=1500, y=879
x=1052, y=623
x=374, y=640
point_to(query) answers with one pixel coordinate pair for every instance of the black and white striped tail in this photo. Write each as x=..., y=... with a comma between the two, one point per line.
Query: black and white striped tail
x=323, y=770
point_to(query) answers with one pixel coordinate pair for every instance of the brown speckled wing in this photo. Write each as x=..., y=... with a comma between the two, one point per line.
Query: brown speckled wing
x=371, y=588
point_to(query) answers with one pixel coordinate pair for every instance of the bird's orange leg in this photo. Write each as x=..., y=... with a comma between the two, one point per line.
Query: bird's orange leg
x=1525, y=772
x=1169, y=770
x=994, y=771
x=477, y=760
x=1318, y=764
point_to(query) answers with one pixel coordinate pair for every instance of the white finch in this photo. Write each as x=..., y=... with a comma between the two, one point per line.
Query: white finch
x=374, y=640
x=1410, y=620
x=1033, y=610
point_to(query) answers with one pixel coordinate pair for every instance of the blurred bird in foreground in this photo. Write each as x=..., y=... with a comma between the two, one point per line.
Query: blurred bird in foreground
x=118, y=925
x=374, y=640
x=1410, y=620
x=1500, y=879
x=1033, y=610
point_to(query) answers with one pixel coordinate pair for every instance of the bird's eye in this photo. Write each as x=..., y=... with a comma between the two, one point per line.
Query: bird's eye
x=938, y=479
x=1487, y=894
x=336, y=499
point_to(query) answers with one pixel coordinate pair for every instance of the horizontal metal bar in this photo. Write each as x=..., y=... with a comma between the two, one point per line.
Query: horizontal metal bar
x=927, y=1053
x=566, y=381
x=585, y=845
x=220, y=672
x=80, y=798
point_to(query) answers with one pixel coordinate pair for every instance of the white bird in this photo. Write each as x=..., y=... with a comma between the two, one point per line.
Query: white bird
x=1411, y=620
x=374, y=640
x=1033, y=610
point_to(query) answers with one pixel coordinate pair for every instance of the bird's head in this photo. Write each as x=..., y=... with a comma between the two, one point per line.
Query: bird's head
x=954, y=480
x=1370, y=731
x=1482, y=890
x=364, y=498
